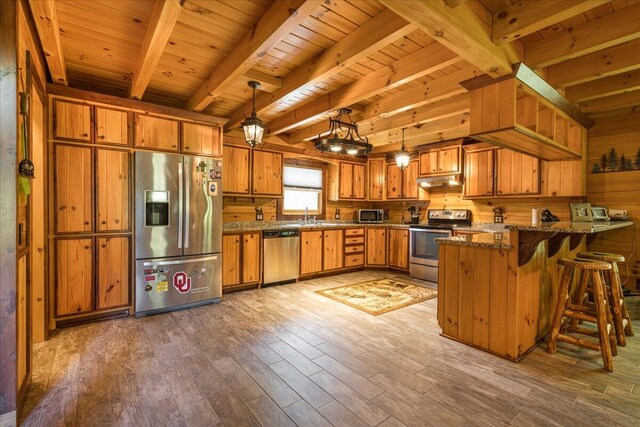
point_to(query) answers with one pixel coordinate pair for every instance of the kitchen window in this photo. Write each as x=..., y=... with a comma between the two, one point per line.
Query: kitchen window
x=302, y=189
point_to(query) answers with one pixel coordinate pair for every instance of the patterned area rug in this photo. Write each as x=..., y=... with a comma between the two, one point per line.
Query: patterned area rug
x=379, y=296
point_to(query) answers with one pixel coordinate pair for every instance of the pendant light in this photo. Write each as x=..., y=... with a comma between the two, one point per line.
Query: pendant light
x=351, y=143
x=402, y=156
x=252, y=125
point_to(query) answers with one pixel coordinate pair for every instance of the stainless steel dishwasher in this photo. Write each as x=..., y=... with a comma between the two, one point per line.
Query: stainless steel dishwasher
x=281, y=260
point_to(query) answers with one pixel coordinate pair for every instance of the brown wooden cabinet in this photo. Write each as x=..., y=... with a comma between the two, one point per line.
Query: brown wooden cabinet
x=351, y=181
x=73, y=189
x=113, y=272
x=72, y=121
x=478, y=173
x=156, y=133
x=113, y=190
x=112, y=126
x=201, y=139
x=311, y=252
x=440, y=161
x=516, y=173
x=241, y=255
x=354, y=247
x=563, y=178
x=399, y=248
x=236, y=172
x=375, y=187
x=267, y=167
x=74, y=276
x=402, y=184
x=376, y=246
x=333, y=251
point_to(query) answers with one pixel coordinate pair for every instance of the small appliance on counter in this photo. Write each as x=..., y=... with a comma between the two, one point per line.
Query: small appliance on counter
x=414, y=211
x=547, y=216
x=618, y=215
x=370, y=216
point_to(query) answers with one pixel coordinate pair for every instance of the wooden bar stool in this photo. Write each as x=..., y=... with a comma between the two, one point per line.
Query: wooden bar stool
x=566, y=309
x=621, y=318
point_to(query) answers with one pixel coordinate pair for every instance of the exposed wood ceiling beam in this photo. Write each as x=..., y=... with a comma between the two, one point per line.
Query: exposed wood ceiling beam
x=48, y=26
x=163, y=20
x=454, y=3
x=526, y=17
x=613, y=102
x=601, y=33
x=267, y=82
x=617, y=59
x=611, y=85
x=425, y=61
x=443, y=130
x=282, y=18
x=459, y=29
x=381, y=30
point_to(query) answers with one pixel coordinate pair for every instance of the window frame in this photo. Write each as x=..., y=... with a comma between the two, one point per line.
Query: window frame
x=301, y=212
x=309, y=164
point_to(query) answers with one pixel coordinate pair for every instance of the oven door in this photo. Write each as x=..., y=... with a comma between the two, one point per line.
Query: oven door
x=423, y=249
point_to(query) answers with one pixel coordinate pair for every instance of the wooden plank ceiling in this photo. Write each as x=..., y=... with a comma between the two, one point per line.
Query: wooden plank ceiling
x=397, y=64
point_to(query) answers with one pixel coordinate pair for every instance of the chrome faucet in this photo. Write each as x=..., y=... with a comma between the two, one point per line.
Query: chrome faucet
x=306, y=215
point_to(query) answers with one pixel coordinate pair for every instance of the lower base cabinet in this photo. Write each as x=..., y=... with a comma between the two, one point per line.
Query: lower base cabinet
x=113, y=272
x=376, y=246
x=74, y=276
x=333, y=250
x=311, y=252
x=241, y=255
x=399, y=248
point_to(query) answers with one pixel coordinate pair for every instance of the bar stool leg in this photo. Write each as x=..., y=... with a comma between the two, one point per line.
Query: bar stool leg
x=563, y=296
x=580, y=294
x=621, y=328
x=610, y=332
x=601, y=319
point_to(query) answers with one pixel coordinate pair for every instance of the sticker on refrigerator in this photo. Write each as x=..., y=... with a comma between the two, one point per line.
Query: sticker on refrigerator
x=162, y=286
x=182, y=282
x=151, y=271
x=213, y=189
x=149, y=278
x=214, y=174
x=163, y=270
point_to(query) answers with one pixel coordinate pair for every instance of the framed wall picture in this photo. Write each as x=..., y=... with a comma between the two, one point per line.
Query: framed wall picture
x=581, y=212
x=600, y=213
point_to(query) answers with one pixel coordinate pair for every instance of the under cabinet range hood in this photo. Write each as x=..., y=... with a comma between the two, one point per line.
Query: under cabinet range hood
x=446, y=181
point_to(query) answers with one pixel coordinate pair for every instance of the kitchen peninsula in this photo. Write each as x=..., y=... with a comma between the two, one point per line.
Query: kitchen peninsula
x=498, y=290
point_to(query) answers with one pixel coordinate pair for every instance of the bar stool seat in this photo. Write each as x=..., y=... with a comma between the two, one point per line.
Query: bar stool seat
x=621, y=317
x=566, y=309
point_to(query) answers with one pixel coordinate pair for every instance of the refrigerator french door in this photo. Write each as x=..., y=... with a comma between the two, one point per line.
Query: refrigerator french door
x=178, y=231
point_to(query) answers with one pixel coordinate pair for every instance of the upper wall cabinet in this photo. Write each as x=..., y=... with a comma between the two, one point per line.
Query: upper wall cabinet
x=73, y=189
x=512, y=115
x=201, y=139
x=402, y=184
x=517, y=173
x=351, y=181
x=442, y=161
x=113, y=190
x=376, y=181
x=478, y=173
x=563, y=178
x=156, y=133
x=267, y=169
x=236, y=172
x=72, y=121
x=248, y=172
x=112, y=126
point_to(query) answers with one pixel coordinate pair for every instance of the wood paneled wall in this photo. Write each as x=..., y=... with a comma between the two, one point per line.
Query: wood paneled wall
x=617, y=190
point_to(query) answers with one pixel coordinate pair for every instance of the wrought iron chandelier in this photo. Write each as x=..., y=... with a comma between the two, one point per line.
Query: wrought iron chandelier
x=402, y=157
x=252, y=126
x=351, y=143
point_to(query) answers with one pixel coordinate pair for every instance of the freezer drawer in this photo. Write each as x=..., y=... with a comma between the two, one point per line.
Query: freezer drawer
x=175, y=283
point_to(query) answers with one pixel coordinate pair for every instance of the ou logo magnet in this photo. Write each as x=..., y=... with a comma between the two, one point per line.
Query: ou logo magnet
x=182, y=282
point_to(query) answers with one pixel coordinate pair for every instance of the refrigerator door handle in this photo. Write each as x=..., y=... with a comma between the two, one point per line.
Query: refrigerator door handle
x=187, y=206
x=180, y=204
x=203, y=259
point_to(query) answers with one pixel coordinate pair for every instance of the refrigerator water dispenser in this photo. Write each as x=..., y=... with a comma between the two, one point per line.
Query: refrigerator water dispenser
x=156, y=208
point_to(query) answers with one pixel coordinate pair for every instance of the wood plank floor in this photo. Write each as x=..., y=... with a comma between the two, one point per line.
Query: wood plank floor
x=286, y=356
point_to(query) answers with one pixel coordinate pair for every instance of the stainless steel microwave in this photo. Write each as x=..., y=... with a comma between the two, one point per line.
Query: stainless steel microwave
x=370, y=216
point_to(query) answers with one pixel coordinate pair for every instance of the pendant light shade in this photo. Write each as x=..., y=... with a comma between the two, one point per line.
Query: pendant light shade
x=252, y=126
x=402, y=156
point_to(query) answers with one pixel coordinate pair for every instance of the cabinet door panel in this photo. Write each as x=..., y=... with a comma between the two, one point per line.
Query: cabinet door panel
x=346, y=180
x=563, y=178
x=73, y=189
x=113, y=272
x=518, y=174
x=376, y=246
x=267, y=173
x=394, y=182
x=310, y=252
x=333, y=249
x=112, y=126
x=449, y=160
x=112, y=177
x=478, y=176
x=231, y=259
x=156, y=133
x=72, y=121
x=74, y=276
x=428, y=163
x=251, y=257
x=409, y=181
x=358, y=182
x=200, y=139
x=399, y=248
x=235, y=170
x=376, y=179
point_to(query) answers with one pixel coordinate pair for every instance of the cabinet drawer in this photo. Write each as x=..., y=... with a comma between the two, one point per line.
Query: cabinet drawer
x=354, y=260
x=354, y=232
x=354, y=249
x=354, y=240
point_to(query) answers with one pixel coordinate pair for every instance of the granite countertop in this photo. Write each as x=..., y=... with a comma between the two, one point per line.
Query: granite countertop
x=240, y=226
x=570, y=227
x=496, y=240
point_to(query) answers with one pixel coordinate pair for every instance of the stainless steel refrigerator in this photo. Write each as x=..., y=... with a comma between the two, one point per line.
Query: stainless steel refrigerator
x=178, y=232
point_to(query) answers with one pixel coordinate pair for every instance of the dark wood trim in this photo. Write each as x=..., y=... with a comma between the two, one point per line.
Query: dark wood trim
x=528, y=244
x=140, y=106
x=280, y=216
x=94, y=317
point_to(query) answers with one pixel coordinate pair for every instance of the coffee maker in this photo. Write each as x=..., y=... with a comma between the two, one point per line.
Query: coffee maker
x=415, y=214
